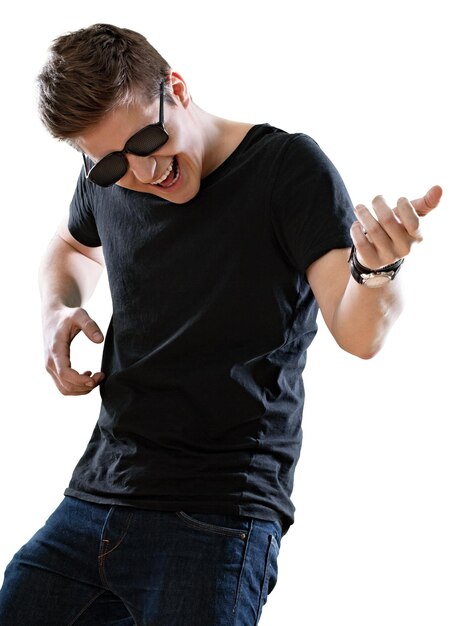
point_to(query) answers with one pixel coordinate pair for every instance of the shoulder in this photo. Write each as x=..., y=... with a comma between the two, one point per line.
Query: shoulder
x=283, y=150
x=275, y=136
x=298, y=152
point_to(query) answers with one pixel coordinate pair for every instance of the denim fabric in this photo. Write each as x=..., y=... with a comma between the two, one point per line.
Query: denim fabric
x=99, y=565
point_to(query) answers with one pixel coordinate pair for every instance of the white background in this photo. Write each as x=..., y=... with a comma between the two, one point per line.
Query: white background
x=374, y=539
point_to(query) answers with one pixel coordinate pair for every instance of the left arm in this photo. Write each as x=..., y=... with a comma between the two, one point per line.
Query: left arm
x=359, y=317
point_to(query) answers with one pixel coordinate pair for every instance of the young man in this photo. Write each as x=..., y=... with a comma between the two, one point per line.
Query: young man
x=221, y=240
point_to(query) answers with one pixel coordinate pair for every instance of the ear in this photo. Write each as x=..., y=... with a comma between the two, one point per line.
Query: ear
x=179, y=88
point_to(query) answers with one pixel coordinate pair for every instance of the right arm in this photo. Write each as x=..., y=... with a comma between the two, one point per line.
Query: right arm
x=69, y=273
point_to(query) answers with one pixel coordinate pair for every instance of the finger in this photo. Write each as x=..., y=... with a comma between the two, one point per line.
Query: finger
x=95, y=379
x=387, y=219
x=374, y=231
x=365, y=250
x=429, y=201
x=409, y=218
x=74, y=383
x=70, y=389
x=358, y=235
x=72, y=379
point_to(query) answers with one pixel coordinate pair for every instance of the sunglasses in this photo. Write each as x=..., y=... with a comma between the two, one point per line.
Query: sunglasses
x=114, y=165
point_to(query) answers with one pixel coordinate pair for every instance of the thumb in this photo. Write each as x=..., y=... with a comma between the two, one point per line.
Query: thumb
x=429, y=201
x=90, y=328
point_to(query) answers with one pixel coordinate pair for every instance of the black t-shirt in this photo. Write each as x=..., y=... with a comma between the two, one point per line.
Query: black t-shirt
x=212, y=316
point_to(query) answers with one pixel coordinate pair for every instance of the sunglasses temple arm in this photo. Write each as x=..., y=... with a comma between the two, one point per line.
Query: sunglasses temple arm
x=86, y=164
x=162, y=91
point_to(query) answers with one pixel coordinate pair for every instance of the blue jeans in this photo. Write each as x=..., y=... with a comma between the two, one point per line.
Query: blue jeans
x=100, y=565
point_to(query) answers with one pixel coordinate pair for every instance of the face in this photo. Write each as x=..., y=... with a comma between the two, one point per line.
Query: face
x=172, y=172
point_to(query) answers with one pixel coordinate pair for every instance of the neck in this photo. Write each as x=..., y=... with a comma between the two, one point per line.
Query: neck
x=220, y=137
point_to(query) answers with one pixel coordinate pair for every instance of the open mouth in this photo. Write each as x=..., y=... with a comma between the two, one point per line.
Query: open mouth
x=170, y=176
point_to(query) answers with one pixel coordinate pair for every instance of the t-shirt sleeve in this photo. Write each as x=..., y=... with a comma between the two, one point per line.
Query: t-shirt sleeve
x=81, y=221
x=311, y=209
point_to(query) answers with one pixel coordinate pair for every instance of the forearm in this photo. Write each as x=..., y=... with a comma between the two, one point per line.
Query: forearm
x=364, y=316
x=67, y=277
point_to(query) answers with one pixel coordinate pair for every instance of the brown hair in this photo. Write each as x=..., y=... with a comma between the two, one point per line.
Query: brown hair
x=92, y=71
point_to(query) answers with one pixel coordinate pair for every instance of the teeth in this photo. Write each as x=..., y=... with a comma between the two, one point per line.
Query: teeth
x=165, y=175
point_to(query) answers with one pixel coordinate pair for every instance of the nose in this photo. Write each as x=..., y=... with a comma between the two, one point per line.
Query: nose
x=143, y=168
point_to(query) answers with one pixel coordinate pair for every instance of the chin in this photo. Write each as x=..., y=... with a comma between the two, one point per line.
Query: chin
x=176, y=196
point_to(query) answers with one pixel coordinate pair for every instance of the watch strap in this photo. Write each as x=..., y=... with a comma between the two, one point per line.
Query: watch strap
x=361, y=273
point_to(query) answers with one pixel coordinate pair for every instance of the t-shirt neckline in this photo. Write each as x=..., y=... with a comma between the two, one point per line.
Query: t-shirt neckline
x=220, y=169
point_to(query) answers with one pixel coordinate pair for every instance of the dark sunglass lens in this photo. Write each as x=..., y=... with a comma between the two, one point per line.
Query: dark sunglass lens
x=147, y=140
x=109, y=170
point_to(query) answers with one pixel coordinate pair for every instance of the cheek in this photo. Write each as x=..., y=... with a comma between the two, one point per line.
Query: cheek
x=127, y=180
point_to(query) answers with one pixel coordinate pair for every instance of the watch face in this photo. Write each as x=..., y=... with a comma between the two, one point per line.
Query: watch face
x=376, y=280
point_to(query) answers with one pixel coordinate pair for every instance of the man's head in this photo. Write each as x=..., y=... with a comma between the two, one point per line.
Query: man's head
x=93, y=71
x=113, y=97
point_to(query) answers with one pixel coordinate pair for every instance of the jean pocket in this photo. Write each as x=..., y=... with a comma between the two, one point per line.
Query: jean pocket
x=216, y=524
x=270, y=574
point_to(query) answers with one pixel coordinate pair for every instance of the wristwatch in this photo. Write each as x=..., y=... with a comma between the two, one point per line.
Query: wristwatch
x=372, y=278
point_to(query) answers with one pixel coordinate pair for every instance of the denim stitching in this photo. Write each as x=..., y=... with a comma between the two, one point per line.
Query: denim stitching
x=205, y=526
x=130, y=515
x=105, y=549
x=241, y=573
x=267, y=575
x=82, y=611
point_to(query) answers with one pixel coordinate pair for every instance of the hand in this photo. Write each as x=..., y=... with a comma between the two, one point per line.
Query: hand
x=60, y=328
x=389, y=236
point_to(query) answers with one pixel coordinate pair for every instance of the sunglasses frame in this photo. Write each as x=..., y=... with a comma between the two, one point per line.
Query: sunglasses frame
x=90, y=171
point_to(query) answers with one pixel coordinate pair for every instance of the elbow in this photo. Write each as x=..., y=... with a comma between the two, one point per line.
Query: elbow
x=366, y=341
x=365, y=352
x=366, y=355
